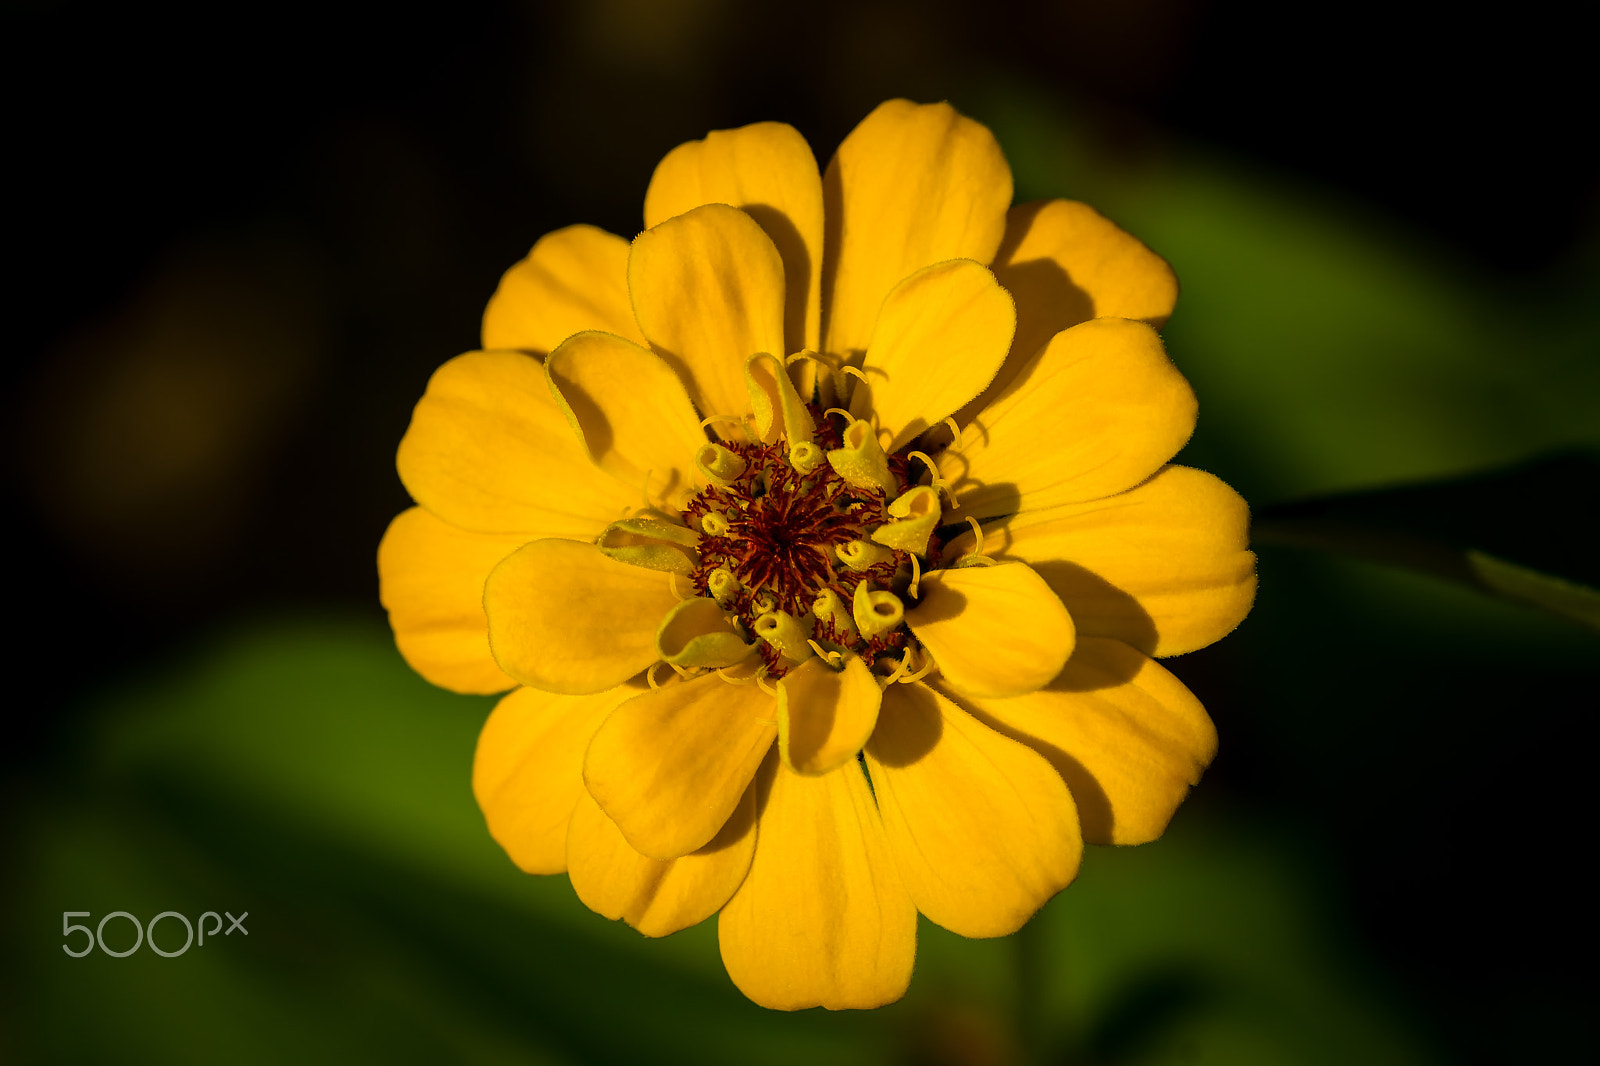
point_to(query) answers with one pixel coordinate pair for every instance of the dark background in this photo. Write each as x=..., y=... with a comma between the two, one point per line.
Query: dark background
x=243, y=237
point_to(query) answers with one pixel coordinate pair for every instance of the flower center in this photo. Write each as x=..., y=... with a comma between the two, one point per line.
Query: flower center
x=786, y=543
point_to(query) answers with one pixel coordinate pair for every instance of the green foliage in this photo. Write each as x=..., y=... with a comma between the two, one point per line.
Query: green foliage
x=302, y=773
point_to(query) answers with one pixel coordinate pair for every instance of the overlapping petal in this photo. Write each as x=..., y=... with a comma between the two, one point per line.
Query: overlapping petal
x=767, y=171
x=574, y=279
x=824, y=715
x=911, y=186
x=629, y=409
x=982, y=829
x=564, y=617
x=822, y=918
x=547, y=550
x=708, y=291
x=993, y=630
x=1163, y=567
x=656, y=897
x=1096, y=411
x=939, y=338
x=670, y=765
x=430, y=580
x=527, y=774
x=489, y=450
x=1066, y=263
x=1127, y=737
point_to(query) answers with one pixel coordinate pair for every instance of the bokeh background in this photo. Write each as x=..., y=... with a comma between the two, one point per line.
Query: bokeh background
x=243, y=236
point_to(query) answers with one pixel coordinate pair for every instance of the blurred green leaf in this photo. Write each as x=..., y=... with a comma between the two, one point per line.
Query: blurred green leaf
x=1212, y=946
x=1578, y=602
x=1330, y=347
x=302, y=773
x=1527, y=534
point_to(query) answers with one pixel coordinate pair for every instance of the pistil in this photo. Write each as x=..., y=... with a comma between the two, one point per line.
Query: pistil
x=787, y=545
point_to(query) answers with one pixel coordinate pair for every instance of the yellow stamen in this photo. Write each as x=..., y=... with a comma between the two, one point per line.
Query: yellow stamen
x=916, y=576
x=933, y=470
x=914, y=516
x=848, y=417
x=650, y=676
x=723, y=586
x=651, y=543
x=828, y=607
x=696, y=633
x=805, y=457
x=718, y=465
x=832, y=658
x=860, y=555
x=955, y=433
x=785, y=633
x=735, y=419
x=927, y=668
x=762, y=685
x=722, y=672
x=876, y=611
x=859, y=459
x=975, y=557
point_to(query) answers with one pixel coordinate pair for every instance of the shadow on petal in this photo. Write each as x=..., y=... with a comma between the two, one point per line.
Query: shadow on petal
x=1099, y=608
x=904, y=734
x=1047, y=300
x=797, y=267
x=949, y=603
x=995, y=499
x=738, y=824
x=1095, y=815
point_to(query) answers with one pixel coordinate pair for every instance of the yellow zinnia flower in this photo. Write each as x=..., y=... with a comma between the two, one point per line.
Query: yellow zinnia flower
x=714, y=500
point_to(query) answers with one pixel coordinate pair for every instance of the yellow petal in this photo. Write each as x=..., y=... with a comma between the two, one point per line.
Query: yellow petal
x=993, y=630
x=574, y=279
x=670, y=765
x=1066, y=263
x=824, y=715
x=565, y=618
x=1096, y=411
x=982, y=829
x=1163, y=567
x=911, y=186
x=656, y=897
x=430, y=580
x=528, y=771
x=767, y=171
x=489, y=450
x=629, y=409
x=822, y=918
x=1125, y=734
x=708, y=291
x=938, y=341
